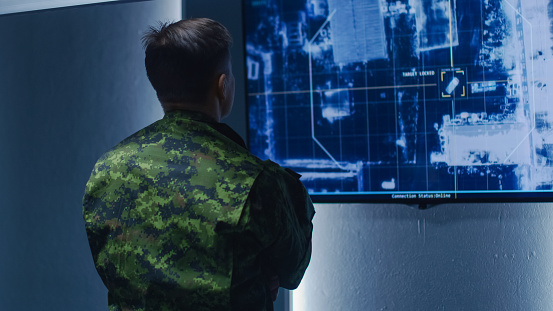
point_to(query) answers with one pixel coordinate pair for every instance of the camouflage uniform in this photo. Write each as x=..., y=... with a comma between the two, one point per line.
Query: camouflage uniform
x=180, y=216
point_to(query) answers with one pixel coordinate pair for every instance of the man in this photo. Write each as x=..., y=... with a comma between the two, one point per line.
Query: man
x=180, y=216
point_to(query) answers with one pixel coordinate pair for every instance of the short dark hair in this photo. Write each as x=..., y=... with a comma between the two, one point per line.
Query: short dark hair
x=183, y=58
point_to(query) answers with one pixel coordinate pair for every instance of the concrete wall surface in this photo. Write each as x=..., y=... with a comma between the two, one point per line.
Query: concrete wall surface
x=449, y=257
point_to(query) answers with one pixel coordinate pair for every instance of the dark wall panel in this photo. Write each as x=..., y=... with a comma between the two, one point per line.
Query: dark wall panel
x=72, y=84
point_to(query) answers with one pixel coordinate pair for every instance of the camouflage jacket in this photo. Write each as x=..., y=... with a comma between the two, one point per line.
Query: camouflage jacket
x=180, y=216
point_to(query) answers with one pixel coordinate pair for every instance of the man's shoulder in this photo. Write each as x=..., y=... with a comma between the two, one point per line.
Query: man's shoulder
x=184, y=145
x=276, y=185
x=273, y=171
x=135, y=141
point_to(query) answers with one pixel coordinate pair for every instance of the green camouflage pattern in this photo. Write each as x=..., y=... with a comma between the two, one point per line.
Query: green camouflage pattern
x=172, y=224
x=276, y=238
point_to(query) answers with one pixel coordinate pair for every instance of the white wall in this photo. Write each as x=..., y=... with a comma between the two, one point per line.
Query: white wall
x=449, y=257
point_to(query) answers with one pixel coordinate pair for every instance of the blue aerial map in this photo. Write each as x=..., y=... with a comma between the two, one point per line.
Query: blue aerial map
x=404, y=99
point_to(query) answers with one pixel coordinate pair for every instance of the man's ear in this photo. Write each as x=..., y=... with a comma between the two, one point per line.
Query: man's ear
x=222, y=87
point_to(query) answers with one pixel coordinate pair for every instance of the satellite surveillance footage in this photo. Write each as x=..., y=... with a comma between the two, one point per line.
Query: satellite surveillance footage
x=411, y=99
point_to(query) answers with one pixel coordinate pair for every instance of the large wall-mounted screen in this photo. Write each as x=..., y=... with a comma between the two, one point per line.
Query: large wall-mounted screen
x=377, y=100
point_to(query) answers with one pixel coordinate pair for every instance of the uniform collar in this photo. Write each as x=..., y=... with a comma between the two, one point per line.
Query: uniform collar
x=189, y=115
x=200, y=117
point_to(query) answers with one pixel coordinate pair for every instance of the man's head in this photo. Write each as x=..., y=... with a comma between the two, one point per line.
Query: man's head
x=188, y=62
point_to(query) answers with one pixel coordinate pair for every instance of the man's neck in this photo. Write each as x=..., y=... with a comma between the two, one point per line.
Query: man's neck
x=208, y=109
